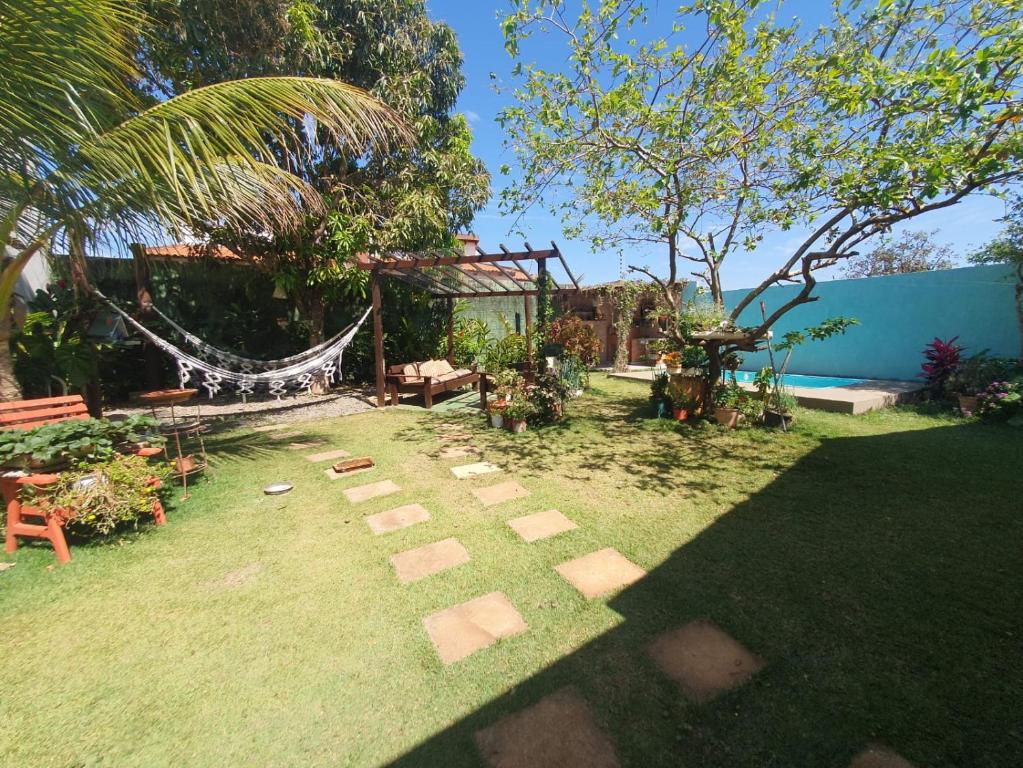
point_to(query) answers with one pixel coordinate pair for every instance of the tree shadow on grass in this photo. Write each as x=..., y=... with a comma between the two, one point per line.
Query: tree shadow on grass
x=879, y=578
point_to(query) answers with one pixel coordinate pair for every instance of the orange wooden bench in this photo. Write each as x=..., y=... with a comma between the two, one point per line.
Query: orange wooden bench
x=27, y=414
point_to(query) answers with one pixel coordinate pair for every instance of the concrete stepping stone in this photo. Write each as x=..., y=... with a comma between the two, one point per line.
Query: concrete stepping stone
x=463, y=629
x=329, y=472
x=303, y=446
x=458, y=451
x=703, y=659
x=473, y=470
x=542, y=525
x=371, y=491
x=559, y=730
x=600, y=572
x=415, y=564
x=877, y=756
x=329, y=455
x=496, y=494
x=397, y=518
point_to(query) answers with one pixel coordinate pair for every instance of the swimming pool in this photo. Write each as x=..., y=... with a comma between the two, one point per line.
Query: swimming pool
x=801, y=380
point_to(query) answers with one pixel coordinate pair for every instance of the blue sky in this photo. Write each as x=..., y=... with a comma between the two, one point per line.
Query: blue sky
x=964, y=226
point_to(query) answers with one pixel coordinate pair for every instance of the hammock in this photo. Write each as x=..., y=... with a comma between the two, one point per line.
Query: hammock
x=325, y=362
x=227, y=359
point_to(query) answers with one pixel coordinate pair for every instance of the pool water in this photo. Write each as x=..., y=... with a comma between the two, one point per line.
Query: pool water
x=800, y=380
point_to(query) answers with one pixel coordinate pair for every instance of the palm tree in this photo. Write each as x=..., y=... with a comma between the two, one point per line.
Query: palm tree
x=84, y=160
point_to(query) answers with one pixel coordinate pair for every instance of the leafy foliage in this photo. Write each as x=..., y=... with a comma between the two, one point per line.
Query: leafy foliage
x=576, y=338
x=101, y=497
x=732, y=120
x=70, y=441
x=911, y=252
x=941, y=360
x=1003, y=401
x=975, y=373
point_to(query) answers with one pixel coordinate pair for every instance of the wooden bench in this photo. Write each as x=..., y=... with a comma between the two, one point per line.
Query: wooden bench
x=431, y=378
x=28, y=414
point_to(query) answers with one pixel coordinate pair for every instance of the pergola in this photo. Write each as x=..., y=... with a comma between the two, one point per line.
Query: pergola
x=472, y=274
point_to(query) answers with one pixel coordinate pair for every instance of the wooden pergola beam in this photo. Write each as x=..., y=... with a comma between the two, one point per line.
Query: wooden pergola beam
x=367, y=263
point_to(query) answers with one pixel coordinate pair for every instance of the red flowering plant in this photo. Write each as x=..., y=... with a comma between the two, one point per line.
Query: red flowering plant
x=941, y=360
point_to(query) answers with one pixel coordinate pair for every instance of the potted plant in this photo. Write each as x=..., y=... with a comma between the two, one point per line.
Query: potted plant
x=673, y=362
x=778, y=412
x=684, y=407
x=727, y=398
x=496, y=410
x=974, y=375
x=660, y=398
x=516, y=413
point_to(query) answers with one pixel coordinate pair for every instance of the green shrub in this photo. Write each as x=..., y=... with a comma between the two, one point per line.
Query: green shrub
x=98, y=498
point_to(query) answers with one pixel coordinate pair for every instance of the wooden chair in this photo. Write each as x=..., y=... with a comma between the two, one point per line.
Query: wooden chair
x=27, y=414
x=419, y=379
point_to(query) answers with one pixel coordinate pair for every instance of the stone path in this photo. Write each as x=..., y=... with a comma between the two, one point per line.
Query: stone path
x=415, y=564
x=703, y=659
x=328, y=455
x=542, y=525
x=473, y=470
x=463, y=629
x=496, y=494
x=600, y=572
x=362, y=493
x=397, y=518
x=560, y=729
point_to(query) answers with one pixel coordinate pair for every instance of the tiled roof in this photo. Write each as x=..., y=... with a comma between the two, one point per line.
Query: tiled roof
x=186, y=251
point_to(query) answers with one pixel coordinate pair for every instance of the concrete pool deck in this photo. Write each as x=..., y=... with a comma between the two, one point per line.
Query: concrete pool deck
x=868, y=395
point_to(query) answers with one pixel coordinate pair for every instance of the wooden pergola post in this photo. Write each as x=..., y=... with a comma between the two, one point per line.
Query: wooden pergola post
x=529, y=331
x=451, y=330
x=378, y=339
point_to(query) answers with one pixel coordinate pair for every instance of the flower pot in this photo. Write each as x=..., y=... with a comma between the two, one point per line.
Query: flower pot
x=185, y=464
x=496, y=420
x=968, y=404
x=777, y=419
x=727, y=417
x=681, y=414
x=674, y=369
x=517, y=425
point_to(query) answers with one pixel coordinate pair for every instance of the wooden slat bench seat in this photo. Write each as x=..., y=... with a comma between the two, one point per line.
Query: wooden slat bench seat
x=431, y=378
x=27, y=414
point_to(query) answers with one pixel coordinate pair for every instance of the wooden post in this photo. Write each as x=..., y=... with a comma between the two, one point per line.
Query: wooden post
x=529, y=332
x=451, y=331
x=378, y=339
x=543, y=295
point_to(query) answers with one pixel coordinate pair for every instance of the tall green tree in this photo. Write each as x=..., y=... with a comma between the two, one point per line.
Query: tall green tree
x=390, y=199
x=83, y=159
x=1007, y=248
x=910, y=252
x=728, y=122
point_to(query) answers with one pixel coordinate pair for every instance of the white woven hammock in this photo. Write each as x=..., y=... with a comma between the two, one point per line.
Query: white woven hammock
x=229, y=360
x=297, y=372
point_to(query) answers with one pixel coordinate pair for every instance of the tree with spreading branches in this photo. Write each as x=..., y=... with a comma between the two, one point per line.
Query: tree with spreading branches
x=408, y=198
x=85, y=160
x=910, y=252
x=732, y=124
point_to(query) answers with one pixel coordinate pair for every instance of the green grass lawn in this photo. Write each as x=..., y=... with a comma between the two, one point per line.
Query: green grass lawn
x=875, y=563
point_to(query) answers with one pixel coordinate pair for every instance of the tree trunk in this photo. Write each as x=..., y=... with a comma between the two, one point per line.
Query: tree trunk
x=92, y=392
x=312, y=310
x=713, y=370
x=9, y=387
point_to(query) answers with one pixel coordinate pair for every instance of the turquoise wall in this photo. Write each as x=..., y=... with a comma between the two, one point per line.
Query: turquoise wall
x=898, y=316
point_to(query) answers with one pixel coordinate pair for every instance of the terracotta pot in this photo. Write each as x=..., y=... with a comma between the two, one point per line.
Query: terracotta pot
x=968, y=404
x=185, y=464
x=727, y=417
x=517, y=425
x=681, y=414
